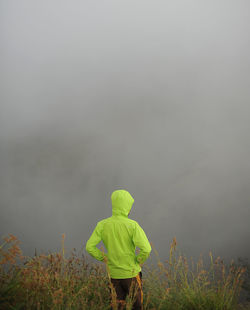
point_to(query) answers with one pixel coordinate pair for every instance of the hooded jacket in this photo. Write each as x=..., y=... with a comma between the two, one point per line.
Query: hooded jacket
x=120, y=236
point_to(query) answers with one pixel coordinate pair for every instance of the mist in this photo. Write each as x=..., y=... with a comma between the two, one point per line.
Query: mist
x=147, y=96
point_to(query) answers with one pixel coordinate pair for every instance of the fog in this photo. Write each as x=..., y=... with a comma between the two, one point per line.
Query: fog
x=147, y=96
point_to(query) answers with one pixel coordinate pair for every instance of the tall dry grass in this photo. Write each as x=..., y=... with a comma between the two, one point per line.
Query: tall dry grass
x=54, y=282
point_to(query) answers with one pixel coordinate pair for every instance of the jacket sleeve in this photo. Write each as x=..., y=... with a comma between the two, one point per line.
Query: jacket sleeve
x=91, y=244
x=141, y=241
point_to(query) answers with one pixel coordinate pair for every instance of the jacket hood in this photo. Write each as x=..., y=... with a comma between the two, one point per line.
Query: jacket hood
x=122, y=202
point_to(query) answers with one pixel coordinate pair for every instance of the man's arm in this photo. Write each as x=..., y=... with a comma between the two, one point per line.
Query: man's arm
x=94, y=239
x=141, y=241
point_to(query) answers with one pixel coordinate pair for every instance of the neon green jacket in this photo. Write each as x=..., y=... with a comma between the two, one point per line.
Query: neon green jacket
x=120, y=236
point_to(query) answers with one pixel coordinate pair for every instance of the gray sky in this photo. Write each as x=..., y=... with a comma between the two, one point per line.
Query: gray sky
x=148, y=96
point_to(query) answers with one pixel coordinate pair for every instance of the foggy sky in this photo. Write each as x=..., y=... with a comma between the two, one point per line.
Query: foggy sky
x=147, y=96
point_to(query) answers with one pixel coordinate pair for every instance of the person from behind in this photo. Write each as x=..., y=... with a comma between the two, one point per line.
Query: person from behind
x=121, y=236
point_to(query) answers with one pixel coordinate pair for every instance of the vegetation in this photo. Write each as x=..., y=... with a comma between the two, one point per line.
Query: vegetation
x=54, y=282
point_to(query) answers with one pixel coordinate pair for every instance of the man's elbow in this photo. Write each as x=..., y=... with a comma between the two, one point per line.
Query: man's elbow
x=88, y=247
x=148, y=249
x=147, y=252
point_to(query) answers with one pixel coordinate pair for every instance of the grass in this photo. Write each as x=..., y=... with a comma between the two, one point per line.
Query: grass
x=54, y=282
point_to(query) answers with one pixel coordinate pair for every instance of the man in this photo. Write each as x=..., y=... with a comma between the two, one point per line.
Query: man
x=121, y=236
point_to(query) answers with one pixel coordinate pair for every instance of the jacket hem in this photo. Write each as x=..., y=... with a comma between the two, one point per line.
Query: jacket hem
x=125, y=276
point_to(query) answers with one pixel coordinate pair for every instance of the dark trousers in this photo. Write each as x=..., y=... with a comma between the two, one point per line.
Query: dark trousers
x=122, y=287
